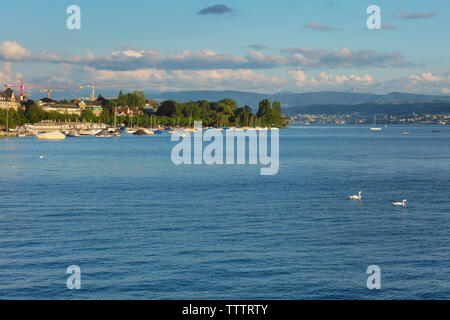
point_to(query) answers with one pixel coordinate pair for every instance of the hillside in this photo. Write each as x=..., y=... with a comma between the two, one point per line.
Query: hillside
x=289, y=100
x=396, y=109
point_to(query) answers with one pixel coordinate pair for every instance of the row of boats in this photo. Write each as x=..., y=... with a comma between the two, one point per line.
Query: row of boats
x=58, y=135
x=102, y=133
x=114, y=132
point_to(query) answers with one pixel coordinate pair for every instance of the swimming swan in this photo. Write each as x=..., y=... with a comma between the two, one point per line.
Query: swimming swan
x=356, y=197
x=403, y=203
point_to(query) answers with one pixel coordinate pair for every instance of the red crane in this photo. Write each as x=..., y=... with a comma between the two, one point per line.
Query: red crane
x=22, y=86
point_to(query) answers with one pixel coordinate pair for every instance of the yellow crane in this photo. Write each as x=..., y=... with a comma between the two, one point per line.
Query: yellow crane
x=49, y=91
x=93, y=86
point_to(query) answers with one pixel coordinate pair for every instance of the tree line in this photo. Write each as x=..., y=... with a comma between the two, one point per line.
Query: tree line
x=223, y=113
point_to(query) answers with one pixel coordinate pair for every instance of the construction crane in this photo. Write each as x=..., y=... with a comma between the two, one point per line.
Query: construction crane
x=49, y=91
x=22, y=86
x=93, y=86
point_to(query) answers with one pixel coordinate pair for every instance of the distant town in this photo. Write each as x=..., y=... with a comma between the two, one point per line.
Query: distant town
x=413, y=118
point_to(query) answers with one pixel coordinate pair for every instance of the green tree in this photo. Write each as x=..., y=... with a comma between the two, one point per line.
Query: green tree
x=87, y=115
x=229, y=102
x=105, y=115
x=34, y=113
x=167, y=108
x=122, y=100
x=265, y=112
x=277, y=116
x=243, y=116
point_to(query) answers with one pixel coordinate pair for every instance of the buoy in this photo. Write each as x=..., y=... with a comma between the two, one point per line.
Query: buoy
x=42, y=157
x=405, y=132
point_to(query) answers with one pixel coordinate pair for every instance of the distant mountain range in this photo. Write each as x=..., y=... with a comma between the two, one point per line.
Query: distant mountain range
x=290, y=100
x=371, y=109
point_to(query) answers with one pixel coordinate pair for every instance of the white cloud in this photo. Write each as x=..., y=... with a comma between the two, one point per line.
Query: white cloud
x=426, y=82
x=297, y=75
x=323, y=80
x=426, y=77
x=6, y=74
x=132, y=53
x=216, y=79
x=12, y=51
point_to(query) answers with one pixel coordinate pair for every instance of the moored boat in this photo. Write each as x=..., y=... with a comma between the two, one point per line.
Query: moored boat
x=142, y=132
x=89, y=132
x=73, y=134
x=105, y=134
x=54, y=135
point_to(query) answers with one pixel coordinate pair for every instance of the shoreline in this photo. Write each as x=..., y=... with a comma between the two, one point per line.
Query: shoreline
x=21, y=134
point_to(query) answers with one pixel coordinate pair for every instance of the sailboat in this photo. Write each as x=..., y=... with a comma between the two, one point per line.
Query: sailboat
x=373, y=127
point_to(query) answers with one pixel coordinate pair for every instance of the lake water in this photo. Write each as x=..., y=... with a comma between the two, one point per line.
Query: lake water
x=140, y=227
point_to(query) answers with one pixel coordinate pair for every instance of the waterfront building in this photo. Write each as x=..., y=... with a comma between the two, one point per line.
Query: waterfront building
x=151, y=107
x=94, y=106
x=75, y=107
x=62, y=108
x=127, y=111
x=8, y=99
x=151, y=104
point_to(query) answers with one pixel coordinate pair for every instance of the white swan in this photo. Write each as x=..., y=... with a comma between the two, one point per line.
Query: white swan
x=356, y=197
x=403, y=203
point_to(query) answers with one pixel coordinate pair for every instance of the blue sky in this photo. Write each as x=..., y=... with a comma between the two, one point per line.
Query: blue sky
x=263, y=46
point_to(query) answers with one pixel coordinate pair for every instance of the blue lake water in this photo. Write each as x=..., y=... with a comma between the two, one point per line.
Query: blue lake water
x=140, y=227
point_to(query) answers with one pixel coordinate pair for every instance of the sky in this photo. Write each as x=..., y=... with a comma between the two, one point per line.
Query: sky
x=260, y=46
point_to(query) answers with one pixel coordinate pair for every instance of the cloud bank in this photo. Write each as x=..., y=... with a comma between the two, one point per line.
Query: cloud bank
x=294, y=68
x=132, y=59
x=417, y=15
x=319, y=27
x=217, y=9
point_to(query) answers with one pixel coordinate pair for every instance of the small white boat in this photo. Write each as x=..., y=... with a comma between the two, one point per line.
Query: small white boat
x=54, y=135
x=89, y=132
x=72, y=134
x=356, y=197
x=106, y=134
x=403, y=203
x=149, y=132
x=373, y=127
